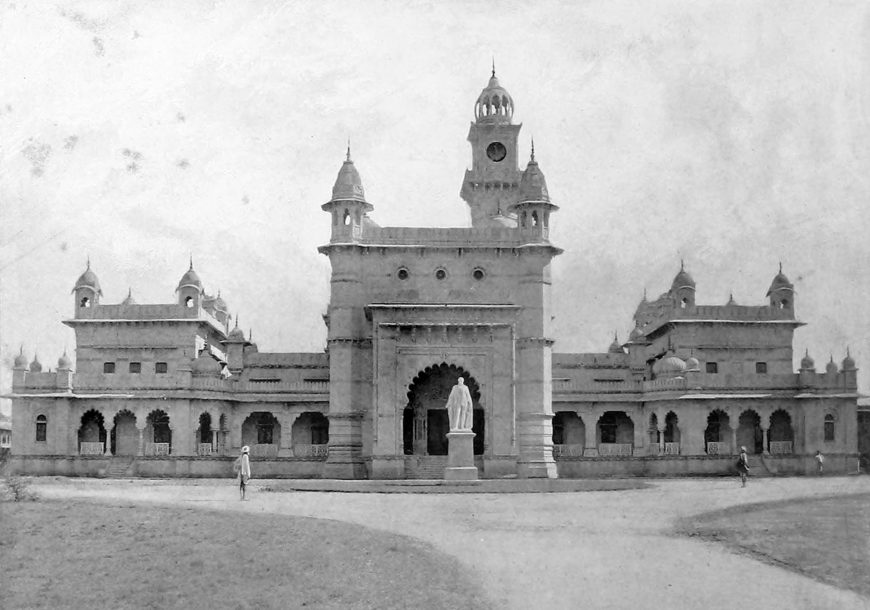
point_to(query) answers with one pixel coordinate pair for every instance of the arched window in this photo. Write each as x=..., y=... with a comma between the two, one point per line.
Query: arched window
x=41, y=428
x=85, y=302
x=188, y=302
x=829, y=428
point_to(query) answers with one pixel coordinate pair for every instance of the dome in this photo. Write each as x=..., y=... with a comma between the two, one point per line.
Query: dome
x=64, y=363
x=206, y=365
x=682, y=280
x=20, y=360
x=36, y=365
x=692, y=364
x=220, y=304
x=848, y=362
x=129, y=300
x=669, y=366
x=615, y=347
x=89, y=279
x=780, y=282
x=831, y=367
x=190, y=279
x=807, y=363
x=237, y=335
x=348, y=184
x=533, y=186
x=494, y=104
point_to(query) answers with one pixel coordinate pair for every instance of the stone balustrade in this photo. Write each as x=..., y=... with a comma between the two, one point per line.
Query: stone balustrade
x=264, y=450
x=781, y=447
x=91, y=448
x=615, y=449
x=672, y=449
x=567, y=450
x=204, y=449
x=311, y=451
x=718, y=448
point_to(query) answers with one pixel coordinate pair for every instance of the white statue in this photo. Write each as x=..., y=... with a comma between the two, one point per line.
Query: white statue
x=459, y=407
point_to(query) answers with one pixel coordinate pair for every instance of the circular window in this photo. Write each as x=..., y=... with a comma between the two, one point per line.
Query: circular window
x=478, y=274
x=440, y=274
x=496, y=151
x=402, y=274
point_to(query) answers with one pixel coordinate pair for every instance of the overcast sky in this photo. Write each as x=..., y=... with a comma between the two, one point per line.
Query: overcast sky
x=733, y=135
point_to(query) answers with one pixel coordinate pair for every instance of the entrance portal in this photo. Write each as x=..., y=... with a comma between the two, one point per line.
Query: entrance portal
x=425, y=422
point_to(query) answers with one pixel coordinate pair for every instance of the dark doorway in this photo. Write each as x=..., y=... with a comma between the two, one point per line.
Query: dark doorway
x=438, y=425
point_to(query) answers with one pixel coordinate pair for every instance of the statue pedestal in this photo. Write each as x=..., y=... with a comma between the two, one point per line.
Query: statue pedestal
x=460, y=456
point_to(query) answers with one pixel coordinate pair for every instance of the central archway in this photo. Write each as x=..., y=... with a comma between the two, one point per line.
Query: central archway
x=425, y=423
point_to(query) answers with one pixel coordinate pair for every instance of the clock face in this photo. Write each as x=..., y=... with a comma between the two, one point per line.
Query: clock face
x=496, y=151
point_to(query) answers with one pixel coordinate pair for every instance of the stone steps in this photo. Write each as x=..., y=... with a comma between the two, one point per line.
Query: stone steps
x=119, y=467
x=425, y=467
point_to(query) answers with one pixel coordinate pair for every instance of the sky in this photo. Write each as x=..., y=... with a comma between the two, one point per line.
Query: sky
x=731, y=135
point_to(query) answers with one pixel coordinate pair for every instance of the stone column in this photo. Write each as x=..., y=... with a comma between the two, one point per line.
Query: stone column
x=734, y=448
x=214, y=441
x=661, y=433
x=590, y=449
x=285, y=443
x=639, y=435
x=141, y=450
x=765, y=449
x=345, y=447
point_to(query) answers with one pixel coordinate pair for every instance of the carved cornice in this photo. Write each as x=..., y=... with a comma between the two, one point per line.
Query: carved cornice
x=532, y=341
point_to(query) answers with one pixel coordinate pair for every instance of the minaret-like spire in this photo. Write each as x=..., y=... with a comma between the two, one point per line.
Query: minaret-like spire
x=644, y=294
x=89, y=261
x=493, y=66
x=780, y=266
x=532, y=159
x=348, y=150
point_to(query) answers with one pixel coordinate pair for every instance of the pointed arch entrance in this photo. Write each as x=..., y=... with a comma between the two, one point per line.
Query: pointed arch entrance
x=424, y=420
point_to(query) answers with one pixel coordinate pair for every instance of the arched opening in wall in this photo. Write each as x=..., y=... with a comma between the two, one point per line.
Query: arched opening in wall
x=125, y=435
x=41, y=428
x=535, y=219
x=310, y=435
x=672, y=428
x=684, y=302
x=716, y=441
x=346, y=218
x=569, y=434
x=781, y=435
x=262, y=433
x=85, y=302
x=188, y=302
x=426, y=433
x=92, y=434
x=829, y=428
x=203, y=435
x=158, y=433
x=615, y=434
x=749, y=432
x=653, y=430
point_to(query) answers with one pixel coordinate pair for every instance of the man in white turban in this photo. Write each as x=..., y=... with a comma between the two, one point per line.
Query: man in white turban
x=459, y=407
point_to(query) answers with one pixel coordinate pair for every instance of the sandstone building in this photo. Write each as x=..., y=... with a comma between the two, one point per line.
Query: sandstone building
x=176, y=389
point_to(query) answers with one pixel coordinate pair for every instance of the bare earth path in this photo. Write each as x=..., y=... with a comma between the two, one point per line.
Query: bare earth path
x=611, y=549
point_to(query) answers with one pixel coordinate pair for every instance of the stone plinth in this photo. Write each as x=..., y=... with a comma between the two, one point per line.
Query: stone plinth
x=460, y=456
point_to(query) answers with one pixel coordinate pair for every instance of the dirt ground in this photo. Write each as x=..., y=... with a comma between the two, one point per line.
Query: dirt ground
x=608, y=549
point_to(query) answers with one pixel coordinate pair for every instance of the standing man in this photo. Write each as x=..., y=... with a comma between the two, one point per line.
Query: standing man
x=743, y=466
x=820, y=462
x=242, y=465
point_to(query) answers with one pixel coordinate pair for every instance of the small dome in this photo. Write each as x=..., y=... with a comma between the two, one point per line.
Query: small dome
x=237, y=335
x=220, y=304
x=780, y=282
x=89, y=279
x=692, y=364
x=129, y=300
x=615, y=347
x=64, y=363
x=190, y=278
x=206, y=365
x=807, y=363
x=848, y=362
x=494, y=104
x=348, y=184
x=36, y=365
x=831, y=367
x=669, y=366
x=20, y=360
x=533, y=185
x=682, y=280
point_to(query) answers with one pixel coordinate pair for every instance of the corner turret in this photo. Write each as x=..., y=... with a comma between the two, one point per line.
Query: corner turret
x=87, y=289
x=781, y=292
x=348, y=205
x=190, y=289
x=534, y=207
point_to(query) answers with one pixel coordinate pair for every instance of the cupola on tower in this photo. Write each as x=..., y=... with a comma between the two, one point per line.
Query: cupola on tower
x=491, y=186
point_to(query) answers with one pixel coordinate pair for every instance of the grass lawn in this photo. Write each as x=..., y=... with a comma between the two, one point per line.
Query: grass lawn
x=78, y=554
x=825, y=538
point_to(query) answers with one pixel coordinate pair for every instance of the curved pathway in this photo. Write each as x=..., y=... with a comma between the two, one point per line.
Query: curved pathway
x=611, y=549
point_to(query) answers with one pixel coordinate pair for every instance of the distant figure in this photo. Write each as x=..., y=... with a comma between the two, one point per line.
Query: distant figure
x=820, y=462
x=459, y=406
x=242, y=466
x=743, y=466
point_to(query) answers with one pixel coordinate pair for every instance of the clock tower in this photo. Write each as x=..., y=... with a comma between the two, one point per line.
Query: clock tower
x=491, y=186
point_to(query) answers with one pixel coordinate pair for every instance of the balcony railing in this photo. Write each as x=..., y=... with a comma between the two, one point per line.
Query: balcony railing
x=157, y=449
x=311, y=451
x=718, y=448
x=615, y=449
x=264, y=450
x=780, y=447
x=91, y=448
x=204, y=449
x=672, y=449
x=567, y=450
